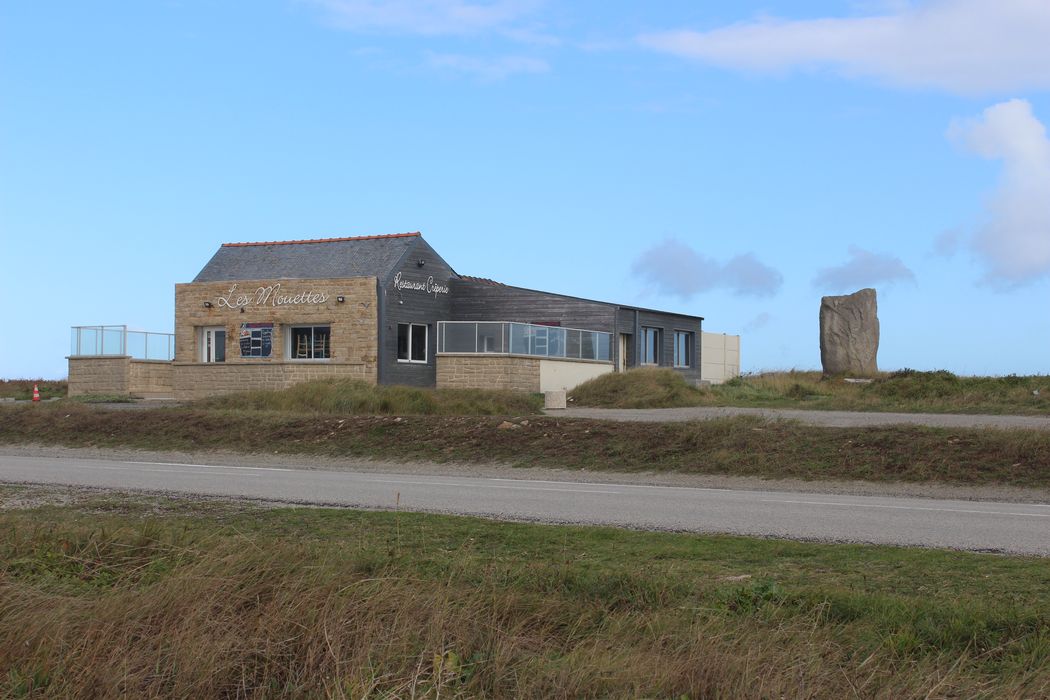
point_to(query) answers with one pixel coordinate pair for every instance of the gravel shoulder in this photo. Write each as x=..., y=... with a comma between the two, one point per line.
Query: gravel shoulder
x=824, y=419
x=503, y=471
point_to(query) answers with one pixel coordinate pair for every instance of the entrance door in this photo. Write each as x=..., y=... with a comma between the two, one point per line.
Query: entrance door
x=624, y=344
x=213, y=345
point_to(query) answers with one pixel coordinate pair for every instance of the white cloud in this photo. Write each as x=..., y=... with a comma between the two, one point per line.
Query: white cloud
x=863, y=269
x=675, y=269
x=963, y=46
x=1014, y=240
x=488, y=69
x=431, y=17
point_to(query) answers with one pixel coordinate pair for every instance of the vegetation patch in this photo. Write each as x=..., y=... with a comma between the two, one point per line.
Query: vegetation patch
x=22, y=389
x=360, y=398
x=743, y=446
x=119, y=597
x=907, y=391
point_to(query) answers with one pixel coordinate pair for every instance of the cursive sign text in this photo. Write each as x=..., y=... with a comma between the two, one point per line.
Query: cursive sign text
x=269, y=295
x=430, y=286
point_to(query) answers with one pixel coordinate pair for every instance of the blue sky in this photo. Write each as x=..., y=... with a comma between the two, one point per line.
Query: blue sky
x=736, y=160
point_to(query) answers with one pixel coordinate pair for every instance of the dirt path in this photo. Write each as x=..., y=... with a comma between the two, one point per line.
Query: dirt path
x=824, y=419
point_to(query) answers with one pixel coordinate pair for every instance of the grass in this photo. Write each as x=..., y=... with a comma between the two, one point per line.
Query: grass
x=22, y=389
x=118, y=597
x=359, y=398
x=903, y=391
x=737, y=446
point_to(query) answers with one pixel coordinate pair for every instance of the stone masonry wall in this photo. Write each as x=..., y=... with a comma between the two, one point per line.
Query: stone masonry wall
x=353, y=321
x=151, y=378
x=494, y=372
x=354, y=328
x=195, y=381
x=99, y=375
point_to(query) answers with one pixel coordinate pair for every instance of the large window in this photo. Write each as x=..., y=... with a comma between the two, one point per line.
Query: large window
x=683, y=350
x=411, y=342
x=309, y=343
x=256, y=339
x=650, y=346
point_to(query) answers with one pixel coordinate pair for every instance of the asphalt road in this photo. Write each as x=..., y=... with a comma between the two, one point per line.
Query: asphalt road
x=825, y=419
x=971, y=525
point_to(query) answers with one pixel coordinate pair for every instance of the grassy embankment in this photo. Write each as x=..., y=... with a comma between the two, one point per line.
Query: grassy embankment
x=139, y=597
x=22, y=389
x=904, y=391
x=740, y=446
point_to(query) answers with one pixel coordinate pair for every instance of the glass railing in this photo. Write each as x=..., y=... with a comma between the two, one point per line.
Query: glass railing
x=119, y=341
x=510, y=338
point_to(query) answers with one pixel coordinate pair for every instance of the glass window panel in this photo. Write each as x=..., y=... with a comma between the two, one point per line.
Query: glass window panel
x=519, y=339
x=490, y=337
x=556, y=342
x=604, y=346
x=402, y=341
x=459, y=337
x=419, y=343
x=572, y=343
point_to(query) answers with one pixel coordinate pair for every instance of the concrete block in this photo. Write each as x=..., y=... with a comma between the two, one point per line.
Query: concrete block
x=554, y=400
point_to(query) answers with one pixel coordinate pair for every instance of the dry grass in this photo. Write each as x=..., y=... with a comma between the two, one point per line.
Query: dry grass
x=343, y=604
x=358, y=398
x=904, y=391
x=22, y=389
x=742, y=446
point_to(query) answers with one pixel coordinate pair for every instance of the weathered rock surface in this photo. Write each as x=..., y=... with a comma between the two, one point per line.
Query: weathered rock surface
x=849, y=333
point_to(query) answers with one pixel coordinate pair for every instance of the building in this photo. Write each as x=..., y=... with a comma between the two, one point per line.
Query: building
x=383, y=309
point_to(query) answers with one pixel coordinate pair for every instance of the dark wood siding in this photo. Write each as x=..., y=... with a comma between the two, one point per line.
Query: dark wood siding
x=668, y=324
x=413, y=306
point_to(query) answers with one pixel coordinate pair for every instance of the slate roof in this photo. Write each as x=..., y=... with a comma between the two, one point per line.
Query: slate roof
x=358, y=256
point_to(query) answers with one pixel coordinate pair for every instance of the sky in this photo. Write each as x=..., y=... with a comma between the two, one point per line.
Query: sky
x=734, y=160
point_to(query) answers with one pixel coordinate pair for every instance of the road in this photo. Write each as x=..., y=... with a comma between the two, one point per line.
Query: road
x=825, y=419
x=972, y=525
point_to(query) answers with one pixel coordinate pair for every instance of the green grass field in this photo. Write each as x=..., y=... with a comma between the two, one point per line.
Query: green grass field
x=133, y=596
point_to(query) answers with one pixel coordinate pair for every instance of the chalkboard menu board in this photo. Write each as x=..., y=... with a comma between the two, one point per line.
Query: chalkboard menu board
x=256, y=339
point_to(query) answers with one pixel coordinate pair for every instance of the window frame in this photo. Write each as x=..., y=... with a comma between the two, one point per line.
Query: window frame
x=287, y=332
x=687, y=336
x=657, y=336
x=408, y=344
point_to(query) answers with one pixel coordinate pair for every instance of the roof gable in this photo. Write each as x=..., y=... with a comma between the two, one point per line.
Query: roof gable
x=358, y=256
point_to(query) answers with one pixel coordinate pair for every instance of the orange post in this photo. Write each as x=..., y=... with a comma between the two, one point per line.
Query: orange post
x=36, y=392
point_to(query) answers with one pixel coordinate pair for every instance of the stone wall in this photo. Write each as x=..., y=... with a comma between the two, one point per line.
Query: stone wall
x=99, y=375
x=198, y=380
x=151, y=379
x=488, y=372
x=354, y=321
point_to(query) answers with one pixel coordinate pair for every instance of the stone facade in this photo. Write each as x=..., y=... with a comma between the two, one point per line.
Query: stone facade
x=119, y=375
x=150, y=379
x=514, y=372
x=198, y=380
x=353, y=323
x=99, y=375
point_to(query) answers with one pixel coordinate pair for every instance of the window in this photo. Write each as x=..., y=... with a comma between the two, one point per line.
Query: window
x=650, y=346
x=411, y=342
x=682, y=349
x=309, y=343
x=256, y=339
x=213, y=344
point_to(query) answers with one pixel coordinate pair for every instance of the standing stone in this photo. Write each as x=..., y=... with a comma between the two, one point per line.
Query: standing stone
x=849, y=334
